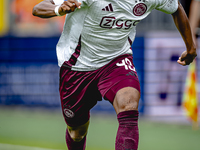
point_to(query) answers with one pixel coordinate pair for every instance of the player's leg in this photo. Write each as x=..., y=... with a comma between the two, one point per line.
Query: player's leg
x=76, y=137
x=78, y=95
x=120, y=85
x=126, y=106
x=126, y=99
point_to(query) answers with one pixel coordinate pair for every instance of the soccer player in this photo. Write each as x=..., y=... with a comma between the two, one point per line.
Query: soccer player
x=95, y=58
x=194, y=16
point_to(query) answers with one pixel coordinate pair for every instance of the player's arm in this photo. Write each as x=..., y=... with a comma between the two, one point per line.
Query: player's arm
x=47, y=8
x=182, y=23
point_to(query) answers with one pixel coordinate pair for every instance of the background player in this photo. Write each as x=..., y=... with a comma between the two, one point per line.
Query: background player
x=95, y=56
x=194, y=16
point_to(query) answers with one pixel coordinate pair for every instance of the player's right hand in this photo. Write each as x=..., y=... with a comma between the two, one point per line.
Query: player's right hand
x=68, y=6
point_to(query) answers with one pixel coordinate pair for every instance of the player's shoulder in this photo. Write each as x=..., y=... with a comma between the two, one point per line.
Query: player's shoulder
x=161, y=2
x=167, y=6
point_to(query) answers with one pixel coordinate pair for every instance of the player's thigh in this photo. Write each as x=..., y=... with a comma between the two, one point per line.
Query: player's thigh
x=126, y=99
x=120, y=84
x=78, y=94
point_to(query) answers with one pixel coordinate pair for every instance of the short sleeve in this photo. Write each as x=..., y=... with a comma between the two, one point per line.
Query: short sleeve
x=167, y=6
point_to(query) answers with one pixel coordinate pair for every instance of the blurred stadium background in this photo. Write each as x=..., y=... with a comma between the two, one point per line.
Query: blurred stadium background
x=30, y=114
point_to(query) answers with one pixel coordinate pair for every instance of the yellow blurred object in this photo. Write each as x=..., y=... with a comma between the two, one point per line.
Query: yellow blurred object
x=190, y=98
x=4, y=25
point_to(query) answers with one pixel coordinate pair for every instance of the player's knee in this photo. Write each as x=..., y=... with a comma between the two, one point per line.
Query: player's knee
x=78, y=133
x=132, y=105
x=76, y=137
x=128, y=104
x=126, y=99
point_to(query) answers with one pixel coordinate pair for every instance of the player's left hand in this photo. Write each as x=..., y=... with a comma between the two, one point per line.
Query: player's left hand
x=186, y=58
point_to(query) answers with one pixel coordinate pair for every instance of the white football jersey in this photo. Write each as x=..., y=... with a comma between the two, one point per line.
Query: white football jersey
x=103, y=30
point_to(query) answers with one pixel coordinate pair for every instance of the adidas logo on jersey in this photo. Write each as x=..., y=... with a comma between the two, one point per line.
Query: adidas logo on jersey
x=108, y=8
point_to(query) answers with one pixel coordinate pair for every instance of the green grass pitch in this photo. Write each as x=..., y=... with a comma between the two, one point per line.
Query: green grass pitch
x=46, y=129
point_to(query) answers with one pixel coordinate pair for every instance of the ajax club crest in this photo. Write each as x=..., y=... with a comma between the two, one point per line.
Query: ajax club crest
x=139, y=9
x=68, y=113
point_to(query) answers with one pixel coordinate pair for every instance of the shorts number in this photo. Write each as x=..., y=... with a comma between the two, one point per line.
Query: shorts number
x=127, y=64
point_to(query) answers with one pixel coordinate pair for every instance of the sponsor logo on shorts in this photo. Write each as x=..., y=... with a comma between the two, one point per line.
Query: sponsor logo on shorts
x=68, y=113
x=131, y=74
x=139, y=9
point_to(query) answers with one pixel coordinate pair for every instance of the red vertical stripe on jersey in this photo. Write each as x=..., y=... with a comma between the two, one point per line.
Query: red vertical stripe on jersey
x=130, y=42
x=75, y=55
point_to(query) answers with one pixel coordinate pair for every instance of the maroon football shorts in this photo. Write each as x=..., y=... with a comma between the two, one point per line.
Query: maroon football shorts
x=80, y=90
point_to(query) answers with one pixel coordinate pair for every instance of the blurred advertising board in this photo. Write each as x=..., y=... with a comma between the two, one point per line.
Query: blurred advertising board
x=29, y=74
x=164, y=77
